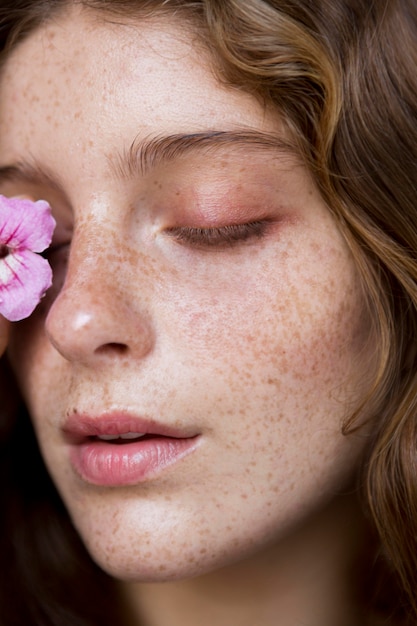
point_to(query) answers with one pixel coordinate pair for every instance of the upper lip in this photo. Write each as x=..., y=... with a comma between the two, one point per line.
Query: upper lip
x=79, y=427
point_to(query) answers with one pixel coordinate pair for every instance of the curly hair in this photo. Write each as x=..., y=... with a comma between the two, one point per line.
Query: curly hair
x=342, y=74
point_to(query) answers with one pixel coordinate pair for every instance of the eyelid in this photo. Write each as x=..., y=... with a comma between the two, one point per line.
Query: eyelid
x=222, y=236
x=61, y=239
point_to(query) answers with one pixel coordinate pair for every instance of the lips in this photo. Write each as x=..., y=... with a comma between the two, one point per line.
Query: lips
x=118, y=449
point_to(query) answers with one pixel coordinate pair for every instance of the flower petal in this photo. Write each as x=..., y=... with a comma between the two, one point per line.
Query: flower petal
x=24, y=278
x=25, y=224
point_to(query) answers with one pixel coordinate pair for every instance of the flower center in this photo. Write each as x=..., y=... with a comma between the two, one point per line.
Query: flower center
x=4, y=250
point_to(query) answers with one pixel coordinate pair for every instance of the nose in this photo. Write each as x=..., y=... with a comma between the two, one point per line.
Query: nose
x=98, y=314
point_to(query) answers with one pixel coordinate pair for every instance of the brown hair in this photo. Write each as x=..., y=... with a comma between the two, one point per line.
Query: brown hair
x=342, y=73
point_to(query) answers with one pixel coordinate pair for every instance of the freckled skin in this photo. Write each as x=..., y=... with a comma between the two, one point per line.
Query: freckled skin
x=258, y=348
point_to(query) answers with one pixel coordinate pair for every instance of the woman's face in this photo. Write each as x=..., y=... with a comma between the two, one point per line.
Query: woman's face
x=203, y=296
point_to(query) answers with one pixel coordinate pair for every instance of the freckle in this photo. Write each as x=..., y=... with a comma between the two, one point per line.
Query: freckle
x=162, y=568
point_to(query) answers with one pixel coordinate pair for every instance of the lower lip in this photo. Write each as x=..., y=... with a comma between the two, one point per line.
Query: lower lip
x=112, y=465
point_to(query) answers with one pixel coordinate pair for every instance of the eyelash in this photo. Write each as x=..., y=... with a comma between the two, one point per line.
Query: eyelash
x=224, y=236
x=54, y=249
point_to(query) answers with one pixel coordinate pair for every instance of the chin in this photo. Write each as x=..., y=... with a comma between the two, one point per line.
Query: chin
x=170, y=554
x=156, y=569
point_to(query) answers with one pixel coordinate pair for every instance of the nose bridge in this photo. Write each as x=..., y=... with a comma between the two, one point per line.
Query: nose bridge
x=98, y=309
x=95, y=259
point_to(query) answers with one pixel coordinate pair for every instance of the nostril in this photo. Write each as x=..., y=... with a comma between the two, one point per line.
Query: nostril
x=119, y=348
x=83, y=324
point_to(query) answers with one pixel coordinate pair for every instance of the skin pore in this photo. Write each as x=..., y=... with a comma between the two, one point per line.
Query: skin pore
x=200, y=283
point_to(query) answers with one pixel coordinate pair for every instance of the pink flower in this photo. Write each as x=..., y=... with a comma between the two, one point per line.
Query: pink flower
x=26, y=229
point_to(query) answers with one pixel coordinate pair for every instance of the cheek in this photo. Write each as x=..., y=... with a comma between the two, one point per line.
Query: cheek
x=36, y=364
x=33, y=362
x=290, y=327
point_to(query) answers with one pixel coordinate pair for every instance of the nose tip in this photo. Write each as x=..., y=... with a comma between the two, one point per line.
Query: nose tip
x=91, y=323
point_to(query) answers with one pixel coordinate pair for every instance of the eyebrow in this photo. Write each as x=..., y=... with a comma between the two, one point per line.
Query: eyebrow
x=28, y=171
x=145, y=154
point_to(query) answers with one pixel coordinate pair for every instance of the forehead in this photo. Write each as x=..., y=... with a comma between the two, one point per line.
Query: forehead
x=89, y=84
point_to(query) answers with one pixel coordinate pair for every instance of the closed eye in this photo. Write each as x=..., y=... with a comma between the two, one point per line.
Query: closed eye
x=223, y=236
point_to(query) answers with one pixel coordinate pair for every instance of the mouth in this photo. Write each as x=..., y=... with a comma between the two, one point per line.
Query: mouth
x=118, y=450
x=123, y=438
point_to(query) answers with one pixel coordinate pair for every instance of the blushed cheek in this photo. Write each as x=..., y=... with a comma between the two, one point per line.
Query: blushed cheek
x=288, y=331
